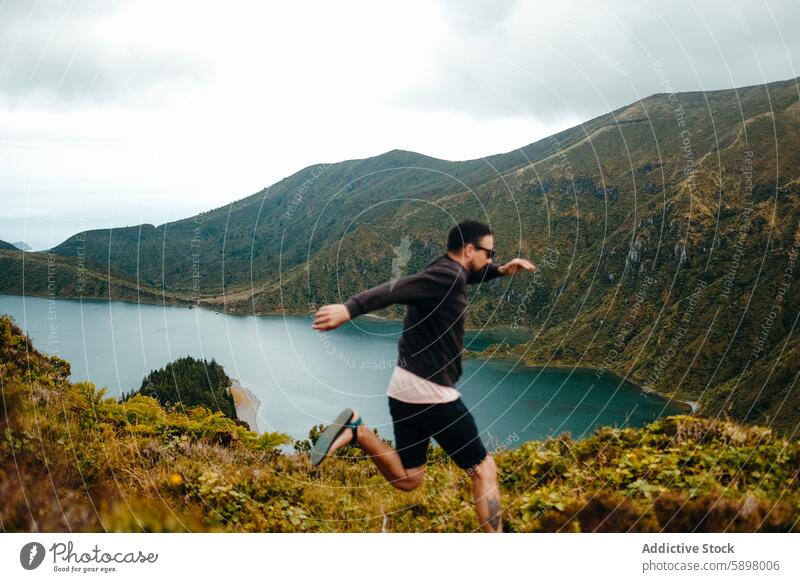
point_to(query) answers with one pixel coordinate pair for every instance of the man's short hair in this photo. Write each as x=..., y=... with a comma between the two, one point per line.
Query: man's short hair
x=468, y=231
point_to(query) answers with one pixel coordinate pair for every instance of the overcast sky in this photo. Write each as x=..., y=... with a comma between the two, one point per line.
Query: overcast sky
x=119, y=113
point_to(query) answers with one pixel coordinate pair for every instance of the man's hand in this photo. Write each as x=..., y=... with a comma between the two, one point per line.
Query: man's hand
x=515, y=265
x=330, y=317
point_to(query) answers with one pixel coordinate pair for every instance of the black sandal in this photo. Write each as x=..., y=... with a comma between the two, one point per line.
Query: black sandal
x=332, y=432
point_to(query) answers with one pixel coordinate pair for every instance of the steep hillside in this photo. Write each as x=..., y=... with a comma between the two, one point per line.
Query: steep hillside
x=688, y=286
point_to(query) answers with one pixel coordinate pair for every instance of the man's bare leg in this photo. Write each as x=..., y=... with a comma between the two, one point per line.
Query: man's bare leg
x=385, y=457
x=487, y=495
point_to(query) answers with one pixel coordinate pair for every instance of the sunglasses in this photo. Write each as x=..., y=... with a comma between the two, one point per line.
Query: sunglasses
x=489, y=252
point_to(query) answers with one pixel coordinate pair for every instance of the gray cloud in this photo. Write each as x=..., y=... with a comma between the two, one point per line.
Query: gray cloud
x=54, y=52
x=555, y=61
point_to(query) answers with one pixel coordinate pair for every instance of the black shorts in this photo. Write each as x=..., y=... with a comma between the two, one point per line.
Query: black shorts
x=450, y=423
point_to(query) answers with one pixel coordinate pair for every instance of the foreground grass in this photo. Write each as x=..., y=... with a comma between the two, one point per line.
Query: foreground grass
x=72, y=459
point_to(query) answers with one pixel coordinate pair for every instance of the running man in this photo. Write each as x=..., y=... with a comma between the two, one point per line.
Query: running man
x=423, y=399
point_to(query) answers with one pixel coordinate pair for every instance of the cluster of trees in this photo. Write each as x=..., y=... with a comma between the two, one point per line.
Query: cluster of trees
x=189, y=382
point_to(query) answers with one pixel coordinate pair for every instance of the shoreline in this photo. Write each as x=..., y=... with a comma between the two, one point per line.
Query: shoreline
x=246, y=404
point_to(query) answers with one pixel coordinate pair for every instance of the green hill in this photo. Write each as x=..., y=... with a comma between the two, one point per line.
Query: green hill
x=72, y=459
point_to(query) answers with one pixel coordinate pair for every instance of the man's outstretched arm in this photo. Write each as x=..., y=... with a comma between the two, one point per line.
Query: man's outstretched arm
x=492, y=270
x=421, y=286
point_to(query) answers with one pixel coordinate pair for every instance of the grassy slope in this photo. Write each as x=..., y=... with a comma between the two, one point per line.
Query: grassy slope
x=72, y=459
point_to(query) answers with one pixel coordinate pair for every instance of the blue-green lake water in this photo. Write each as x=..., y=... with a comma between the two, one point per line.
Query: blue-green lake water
x=303, y=377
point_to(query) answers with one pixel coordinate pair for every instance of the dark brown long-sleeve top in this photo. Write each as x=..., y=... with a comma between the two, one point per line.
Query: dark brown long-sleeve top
x=433, y=328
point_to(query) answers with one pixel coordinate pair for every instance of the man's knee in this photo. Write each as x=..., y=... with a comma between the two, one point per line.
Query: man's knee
x=485, y=470
x=411, y=481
